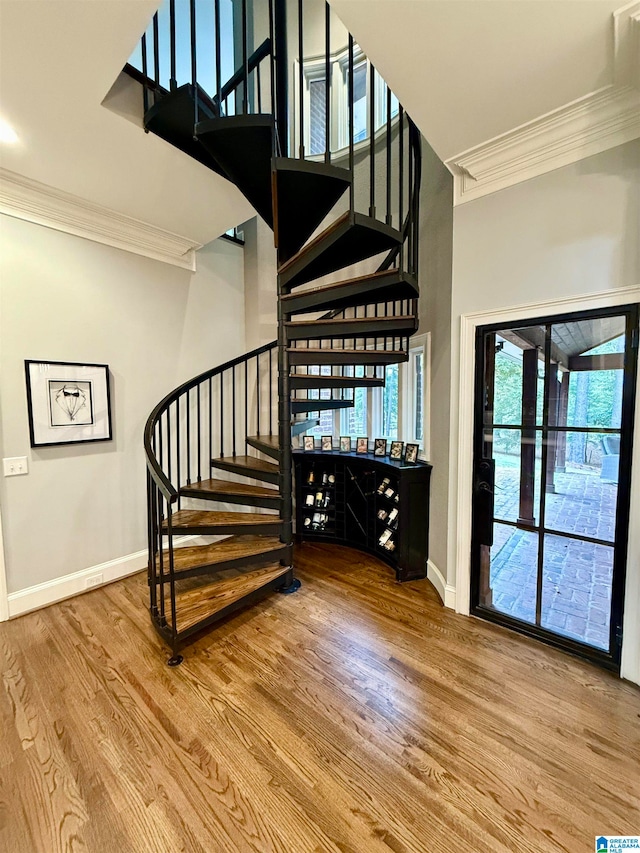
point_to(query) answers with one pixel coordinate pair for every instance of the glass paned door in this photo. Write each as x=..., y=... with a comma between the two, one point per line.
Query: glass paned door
x=554, y=421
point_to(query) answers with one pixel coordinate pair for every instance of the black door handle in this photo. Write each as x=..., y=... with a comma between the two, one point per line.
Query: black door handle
x=484, y=484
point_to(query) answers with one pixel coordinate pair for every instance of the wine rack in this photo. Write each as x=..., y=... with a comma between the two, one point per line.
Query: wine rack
x=375, y=504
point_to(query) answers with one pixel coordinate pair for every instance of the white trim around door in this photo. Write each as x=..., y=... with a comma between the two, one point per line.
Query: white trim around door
x=4, y=599
x=460, y=530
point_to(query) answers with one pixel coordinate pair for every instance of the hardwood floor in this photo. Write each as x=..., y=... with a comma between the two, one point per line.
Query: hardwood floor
x=357, y=715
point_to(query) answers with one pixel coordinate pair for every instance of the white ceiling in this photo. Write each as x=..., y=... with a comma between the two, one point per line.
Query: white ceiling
x=470, y=70
x=58, y=61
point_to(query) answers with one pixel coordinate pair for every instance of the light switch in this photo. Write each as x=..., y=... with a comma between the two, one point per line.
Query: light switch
x=15, y=465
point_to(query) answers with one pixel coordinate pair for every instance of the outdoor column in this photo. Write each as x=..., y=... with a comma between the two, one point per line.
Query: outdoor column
x=563, y=410
x=554, y=400
x=528, y=435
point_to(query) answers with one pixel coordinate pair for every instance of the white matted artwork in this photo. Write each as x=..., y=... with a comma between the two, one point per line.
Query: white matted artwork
x=67, y=403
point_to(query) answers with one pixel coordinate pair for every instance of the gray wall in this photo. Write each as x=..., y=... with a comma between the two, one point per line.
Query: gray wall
x=436, y=251
x=69, y=299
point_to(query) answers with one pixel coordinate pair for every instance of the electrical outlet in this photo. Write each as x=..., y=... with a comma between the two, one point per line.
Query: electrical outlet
x=15, y=465
x=94, y=580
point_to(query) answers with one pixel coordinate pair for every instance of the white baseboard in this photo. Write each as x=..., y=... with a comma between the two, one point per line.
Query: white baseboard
x=49, y=592
x=43, y=594
x=446, y=592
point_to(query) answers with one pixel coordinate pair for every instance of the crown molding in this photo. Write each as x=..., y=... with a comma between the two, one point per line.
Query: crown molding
x=603, y=119
x=35, y=202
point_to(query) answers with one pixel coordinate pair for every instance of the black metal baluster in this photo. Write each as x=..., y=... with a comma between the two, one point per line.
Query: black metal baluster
x=401, y=181
x=199, y=432
x=210, y=422
x=410, y=202
x=151, y=570
x=272, y=70
x=246, y=398
x=221, y=414
x=352, y=198
x=172, y=579
x=245, y=58
x=389, y=219
x=173, y=83
x=372, y=141
x=179, y=481
x=281, y=74
x=169, y=442
x=301, y=77
x=327, y=81
x=259, y=88
x=258, y=392
x=156, y=50
x=270, y=392
x=194, y=67
x=233, y=406
x=188, y=416
x=159, y=524
x=216, y=15
x=145, y=88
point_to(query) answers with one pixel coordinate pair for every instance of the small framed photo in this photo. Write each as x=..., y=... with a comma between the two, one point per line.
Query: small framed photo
x=380, y=447
x=326, y=443
x=345, y=444
x=411, y=453
x=396, y=450
x=362, y=444
x=68, y=403
x=309, y=442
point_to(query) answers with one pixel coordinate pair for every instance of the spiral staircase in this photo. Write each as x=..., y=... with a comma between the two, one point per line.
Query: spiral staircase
x=219, y=447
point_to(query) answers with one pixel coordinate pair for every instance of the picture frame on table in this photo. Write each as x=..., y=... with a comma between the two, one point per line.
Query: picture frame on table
x=380, y=447
x=308, y=443
x=362, y=444
x=326, y=443
x=411, y=453
x=67, y=402
x=345, y=444
x=396, y=450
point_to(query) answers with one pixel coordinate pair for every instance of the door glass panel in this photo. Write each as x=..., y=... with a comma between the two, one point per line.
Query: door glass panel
x=582, y=485
x=576, y=589
x=513, y=467
x=519, y=376
x=514, y=568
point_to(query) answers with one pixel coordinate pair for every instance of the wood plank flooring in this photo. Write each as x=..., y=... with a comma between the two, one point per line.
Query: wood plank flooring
x=357, y=715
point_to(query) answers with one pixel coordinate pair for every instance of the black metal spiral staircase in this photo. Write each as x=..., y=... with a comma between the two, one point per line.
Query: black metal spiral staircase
x=210, y=440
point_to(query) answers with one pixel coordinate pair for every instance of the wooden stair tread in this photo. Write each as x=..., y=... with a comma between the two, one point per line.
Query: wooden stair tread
x=335, y=226
x=211, y=518
x=337, y=355
x=271, y=440
x=355, y=321
x=232, y=548
x=232, y=488
x=196, y=605
x=382, y=286
x=249, y=462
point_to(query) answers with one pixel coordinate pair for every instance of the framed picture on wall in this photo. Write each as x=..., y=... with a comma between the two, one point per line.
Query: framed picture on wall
x=308, y=442
x=345, y=444
x=68, y=403
x=362, y=444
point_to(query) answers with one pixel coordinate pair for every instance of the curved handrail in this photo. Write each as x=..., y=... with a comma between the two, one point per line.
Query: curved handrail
x=155, y=470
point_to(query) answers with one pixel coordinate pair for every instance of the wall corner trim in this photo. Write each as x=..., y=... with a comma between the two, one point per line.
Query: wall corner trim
x=32, y=201
x=602, y=119
x=446, y=592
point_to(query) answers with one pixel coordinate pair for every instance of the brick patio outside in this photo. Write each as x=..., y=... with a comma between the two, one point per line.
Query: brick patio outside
x=576, y=591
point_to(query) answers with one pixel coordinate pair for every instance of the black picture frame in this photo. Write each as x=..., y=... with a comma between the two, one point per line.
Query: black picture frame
x=411, y=453
x=67, y=402
x=326, y=443
x=362, y=444
x=345, y=444
x=395, y=451
x=380, y=447
x=308, y=443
